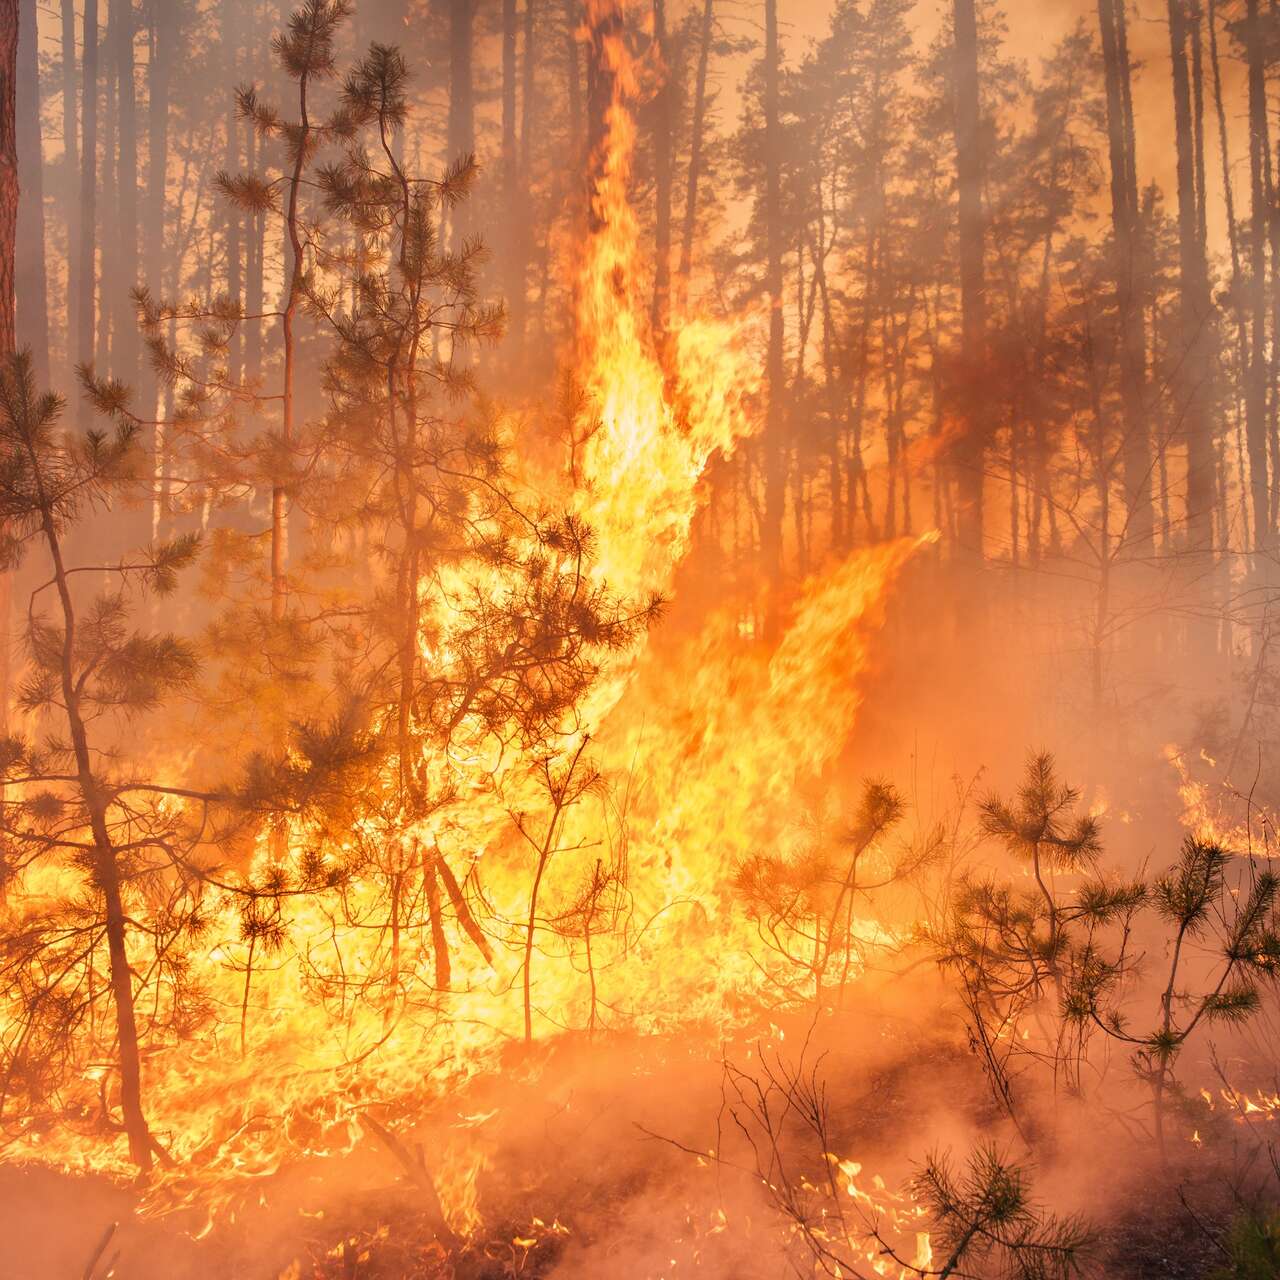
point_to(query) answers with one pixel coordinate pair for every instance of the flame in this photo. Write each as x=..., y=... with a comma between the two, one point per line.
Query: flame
x=703, y=740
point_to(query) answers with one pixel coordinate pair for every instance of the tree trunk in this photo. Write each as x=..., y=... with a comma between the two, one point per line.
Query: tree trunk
x=164, y=23
x=973, y=288
x=775, y=452
x=1257, y=372
x=31, y=281
x=514, y=284
x=1194, y=370
x=126, y=343
x=1136, y=452
x=696, y=145
x=109, y=210
x=462, y=124
x=8, y=172
x=255, y=288
x=71, y=177
x=295, y=270
x=524, y=219
x=106, y=867
x=662, y=174
x=86, y=250
x=572, y=77
x=9, y=202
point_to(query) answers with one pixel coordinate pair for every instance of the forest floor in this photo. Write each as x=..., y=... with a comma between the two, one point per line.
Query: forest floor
x=586, y=1170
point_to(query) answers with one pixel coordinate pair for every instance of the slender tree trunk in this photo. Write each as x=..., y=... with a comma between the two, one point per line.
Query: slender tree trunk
x=1261, y=212
x=696, y=145
x=295, y=269
x=71, y=176
x=233, y=244
x=10, y=196
x=1194, y=376
x=31, y=280
x=164, y=20
x=528, y=92
x=1136, y=452
x=126, y=338
x=572, y=76
x=87, y=249
x=973, y=303
x=9, y=176
x=462, y=125
x=662, y=174
x=106, y=867
x=775, y=451
x=109, y=212
x=255, y=289
x=524, y=219
x=515, y=284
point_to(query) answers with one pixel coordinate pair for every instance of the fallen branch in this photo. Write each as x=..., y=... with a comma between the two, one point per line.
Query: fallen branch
x=91, y=1268
x=416, y=1169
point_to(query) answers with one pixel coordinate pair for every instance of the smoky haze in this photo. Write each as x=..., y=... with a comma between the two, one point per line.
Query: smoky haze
x=638, y=638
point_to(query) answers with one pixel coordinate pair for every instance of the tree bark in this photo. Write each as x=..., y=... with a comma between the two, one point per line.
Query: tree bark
x=1194, y=376
x=1136, y=451
x=9, y=201
x=696, y=144
x=572, y=80
x=71, y=176
x=164, y=17
x=1257, y=372
x=973, y=288
x=87, y=248
x=775, y=450
x=461, y=125
x=31, y=279
x=105, y=864
x=126, y=343
x=662, y=173
x=514, y=285
x=9, y=195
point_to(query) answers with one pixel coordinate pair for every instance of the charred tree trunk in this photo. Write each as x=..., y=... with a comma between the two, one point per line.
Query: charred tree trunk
x=973, y=288
x=125, y=345
x=696, y=145
x=572, y=76
x=255, y=286
x=775, y=450
x=87, y=249
x=524, y=234
x=514, y=284
x=662, y=173
x=31, y=280
x=109, y=198
x=462, y=123
x=106, y=869
x=9, y=201
x=1194, y=377
x=1126, y=227
x=1257, y=373
x=71, y=175
x=164, y=22
x=9, y=193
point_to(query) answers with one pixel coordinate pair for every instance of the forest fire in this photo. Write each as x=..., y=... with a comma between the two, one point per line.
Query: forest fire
x=500, y=677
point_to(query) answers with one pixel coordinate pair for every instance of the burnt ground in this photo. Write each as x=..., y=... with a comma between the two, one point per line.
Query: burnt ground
x=580, y=1180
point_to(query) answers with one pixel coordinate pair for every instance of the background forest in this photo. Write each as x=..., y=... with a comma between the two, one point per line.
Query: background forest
x=538, y=536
